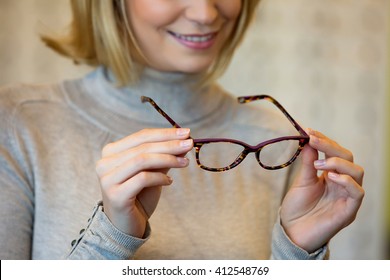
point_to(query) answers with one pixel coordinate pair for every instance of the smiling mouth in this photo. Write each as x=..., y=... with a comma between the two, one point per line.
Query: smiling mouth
x=194, y=38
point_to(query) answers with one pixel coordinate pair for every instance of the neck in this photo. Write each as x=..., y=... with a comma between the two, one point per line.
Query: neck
x=175, y=93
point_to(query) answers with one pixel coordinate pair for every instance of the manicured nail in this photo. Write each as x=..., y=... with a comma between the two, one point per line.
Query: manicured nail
x=320, y=163
x=186, y=143
x=333, y=175
x=182, y=131
x=183, y=161
x=315, y=139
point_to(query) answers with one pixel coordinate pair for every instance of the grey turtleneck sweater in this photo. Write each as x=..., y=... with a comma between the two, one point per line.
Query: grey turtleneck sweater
x=52, y=135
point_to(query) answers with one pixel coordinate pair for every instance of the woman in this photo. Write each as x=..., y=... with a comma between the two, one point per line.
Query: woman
x=56, y=138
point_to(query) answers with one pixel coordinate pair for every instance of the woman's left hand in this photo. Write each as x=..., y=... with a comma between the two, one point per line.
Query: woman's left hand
x=318, y=206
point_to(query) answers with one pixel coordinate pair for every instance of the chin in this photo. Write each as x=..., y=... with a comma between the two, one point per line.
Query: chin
x=194, y=69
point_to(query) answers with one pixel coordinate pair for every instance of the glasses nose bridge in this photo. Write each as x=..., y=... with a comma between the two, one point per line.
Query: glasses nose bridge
x=257, y=155
x=240, y=158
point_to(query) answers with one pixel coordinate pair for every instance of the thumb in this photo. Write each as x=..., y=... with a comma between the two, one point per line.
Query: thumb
x=307, y=172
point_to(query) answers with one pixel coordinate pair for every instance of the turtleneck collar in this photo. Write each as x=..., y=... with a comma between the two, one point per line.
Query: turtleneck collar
x=99, y=99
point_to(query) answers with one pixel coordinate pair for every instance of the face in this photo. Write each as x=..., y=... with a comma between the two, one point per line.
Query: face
x=182, y=35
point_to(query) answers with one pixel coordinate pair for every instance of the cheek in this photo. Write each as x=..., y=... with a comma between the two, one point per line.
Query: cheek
x=150, y=13
x=231, y=9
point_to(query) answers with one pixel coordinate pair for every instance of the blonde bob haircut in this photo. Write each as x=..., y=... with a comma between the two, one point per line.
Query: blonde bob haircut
x=100, y=34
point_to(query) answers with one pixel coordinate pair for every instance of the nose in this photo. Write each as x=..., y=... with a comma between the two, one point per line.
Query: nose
x=202, y=11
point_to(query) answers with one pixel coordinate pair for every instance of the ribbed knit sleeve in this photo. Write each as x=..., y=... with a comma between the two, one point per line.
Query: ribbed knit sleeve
x=101, y=240
x=16, y=190
x=284, y=249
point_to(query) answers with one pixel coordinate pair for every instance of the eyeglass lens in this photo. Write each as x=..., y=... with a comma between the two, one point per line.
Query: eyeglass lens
x=223, y=154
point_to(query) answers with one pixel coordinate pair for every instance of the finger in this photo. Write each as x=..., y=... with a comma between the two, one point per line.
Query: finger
x=328, y=146
x=144, y=180
x=141, y=163
x=122, y=194
x=307, y=173
x=145, y=136
x=354, y=190
x=341, y=166
x=175, y=147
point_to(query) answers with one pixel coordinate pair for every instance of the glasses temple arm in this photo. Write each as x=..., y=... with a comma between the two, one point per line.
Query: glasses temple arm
x=247, y=99
x=161, y=111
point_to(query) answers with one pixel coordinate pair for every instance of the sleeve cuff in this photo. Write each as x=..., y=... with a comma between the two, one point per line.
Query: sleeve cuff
x=284, y=249
x=102, y=240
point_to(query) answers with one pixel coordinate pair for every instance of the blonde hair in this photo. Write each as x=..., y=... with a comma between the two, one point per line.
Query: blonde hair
x=99, y=34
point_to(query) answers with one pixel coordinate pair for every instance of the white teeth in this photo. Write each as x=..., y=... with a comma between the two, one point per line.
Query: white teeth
x=196, y=39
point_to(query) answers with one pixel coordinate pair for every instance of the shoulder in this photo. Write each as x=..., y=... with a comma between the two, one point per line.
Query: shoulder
x=13, y=97
x=30, y=107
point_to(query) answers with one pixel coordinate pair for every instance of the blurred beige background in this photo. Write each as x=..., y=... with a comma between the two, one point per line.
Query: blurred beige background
x=325, y=61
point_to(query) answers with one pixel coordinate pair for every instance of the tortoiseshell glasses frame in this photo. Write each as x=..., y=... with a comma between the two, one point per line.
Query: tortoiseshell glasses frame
x=302, y=139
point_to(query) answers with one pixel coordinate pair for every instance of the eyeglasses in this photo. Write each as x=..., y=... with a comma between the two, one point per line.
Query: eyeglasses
x=222, y=154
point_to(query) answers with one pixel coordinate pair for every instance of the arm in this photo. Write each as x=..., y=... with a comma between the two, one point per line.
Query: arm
x=284, y=249
x=101, y=240
x=16, y=193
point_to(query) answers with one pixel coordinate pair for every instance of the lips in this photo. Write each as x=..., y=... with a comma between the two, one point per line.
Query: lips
x=194, y=38
x=195, y=41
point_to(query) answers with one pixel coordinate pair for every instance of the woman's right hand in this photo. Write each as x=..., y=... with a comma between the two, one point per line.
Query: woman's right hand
x=133, y=170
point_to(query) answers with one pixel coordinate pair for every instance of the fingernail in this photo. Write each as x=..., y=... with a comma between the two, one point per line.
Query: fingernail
x=320, y=163
x=315, y=139
x=170, y=180
x=186, y=143
x=182, y=131
x=333, y=175
x=183, y=161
